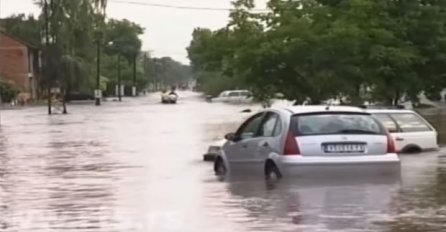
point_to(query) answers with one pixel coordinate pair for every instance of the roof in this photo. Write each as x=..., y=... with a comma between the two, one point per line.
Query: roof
x=390, y=111
x=322, y=108
x=240, y=90
x=25, y=43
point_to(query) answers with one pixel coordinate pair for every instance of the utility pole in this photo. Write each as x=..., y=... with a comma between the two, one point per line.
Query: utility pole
x=1, y=92
x=134, y=76
x=155, y=77
x=98, y=93
x=119, y=78
x=46, y=55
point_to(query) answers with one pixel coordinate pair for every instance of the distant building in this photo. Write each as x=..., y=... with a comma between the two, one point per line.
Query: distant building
x=19, y=65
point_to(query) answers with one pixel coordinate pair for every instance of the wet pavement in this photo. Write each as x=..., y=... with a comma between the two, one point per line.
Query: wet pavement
x=137, y=166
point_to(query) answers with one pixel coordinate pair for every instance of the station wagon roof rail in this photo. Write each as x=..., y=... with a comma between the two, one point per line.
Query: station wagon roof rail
x=321, y=108
x=382, y=107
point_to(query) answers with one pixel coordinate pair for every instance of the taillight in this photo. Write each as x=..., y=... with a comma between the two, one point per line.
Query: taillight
x=390, y=144
x=291, y=147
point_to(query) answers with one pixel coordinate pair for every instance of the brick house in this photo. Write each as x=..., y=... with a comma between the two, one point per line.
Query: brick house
x=19, y=65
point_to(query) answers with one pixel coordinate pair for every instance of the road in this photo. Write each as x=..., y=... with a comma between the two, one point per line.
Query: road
x=136, y=166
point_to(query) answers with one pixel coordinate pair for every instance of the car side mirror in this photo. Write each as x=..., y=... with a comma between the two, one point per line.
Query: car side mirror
x=230, y=136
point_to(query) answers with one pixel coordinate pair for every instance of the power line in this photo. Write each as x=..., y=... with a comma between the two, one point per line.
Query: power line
x=176, y=7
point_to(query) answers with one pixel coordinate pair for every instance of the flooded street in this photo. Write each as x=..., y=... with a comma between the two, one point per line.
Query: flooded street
x=137, y=166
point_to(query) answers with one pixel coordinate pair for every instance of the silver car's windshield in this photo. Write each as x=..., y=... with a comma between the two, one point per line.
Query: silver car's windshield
x=335, y=123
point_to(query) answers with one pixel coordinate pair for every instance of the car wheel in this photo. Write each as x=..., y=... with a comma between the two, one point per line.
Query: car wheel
x=411, y=149
x=219, y=167
x=272, y=171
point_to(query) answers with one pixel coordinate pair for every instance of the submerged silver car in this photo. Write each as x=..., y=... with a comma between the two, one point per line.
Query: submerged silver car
x=301, y=139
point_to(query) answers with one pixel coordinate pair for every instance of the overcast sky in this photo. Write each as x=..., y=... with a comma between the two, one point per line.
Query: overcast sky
x=167, y=30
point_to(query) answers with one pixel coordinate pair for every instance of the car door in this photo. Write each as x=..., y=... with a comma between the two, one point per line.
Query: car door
x=233, y=97
x=267, y=142
x=223, y=96
x=239, y=152
x=392, y=127
x=414, y=131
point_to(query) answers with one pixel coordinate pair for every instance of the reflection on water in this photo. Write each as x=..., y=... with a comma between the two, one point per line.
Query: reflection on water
x=136, y=166
x=316, y=204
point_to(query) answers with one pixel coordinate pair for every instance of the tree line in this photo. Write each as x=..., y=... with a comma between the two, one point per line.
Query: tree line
x=69, y=34
x=313, y=50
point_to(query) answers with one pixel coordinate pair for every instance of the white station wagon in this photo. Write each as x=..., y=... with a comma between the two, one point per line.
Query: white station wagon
x=412, y=133
x=294, y=140
x=234, y=96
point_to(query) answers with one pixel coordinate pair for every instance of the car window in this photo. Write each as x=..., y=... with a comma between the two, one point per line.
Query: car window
x=336, y=123
x=410, y=122
x=387, y=121
x=269, y=125
x=245, y=94
x=250, y=127
x=233, y=94
x=278, y=129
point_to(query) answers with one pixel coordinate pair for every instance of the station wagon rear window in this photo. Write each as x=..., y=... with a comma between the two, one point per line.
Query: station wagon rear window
x=409, y=122
x=336, y=123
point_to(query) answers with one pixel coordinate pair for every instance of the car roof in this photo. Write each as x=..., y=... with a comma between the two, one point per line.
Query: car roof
x=389, y=111
x=240, y=90
x=322, y=108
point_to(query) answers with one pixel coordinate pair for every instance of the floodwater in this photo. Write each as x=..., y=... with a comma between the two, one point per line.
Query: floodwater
x=137, y=166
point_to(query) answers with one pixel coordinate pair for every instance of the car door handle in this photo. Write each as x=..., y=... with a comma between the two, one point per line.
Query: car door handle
x=245, y=145
x=265, y=144
x=399, y=139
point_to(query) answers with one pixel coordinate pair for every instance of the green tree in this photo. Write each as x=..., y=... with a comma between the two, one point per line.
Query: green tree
x=69, y=34
x=26, y=28
x=355, y=50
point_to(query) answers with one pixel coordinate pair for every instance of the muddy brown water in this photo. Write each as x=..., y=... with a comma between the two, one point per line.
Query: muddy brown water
x=136, y=166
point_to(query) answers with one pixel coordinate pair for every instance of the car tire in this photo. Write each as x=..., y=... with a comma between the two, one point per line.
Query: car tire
x=411, y=149
x=219, y=167
x=272, y=171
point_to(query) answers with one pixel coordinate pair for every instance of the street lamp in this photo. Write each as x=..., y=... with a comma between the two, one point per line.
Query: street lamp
x=119, y=87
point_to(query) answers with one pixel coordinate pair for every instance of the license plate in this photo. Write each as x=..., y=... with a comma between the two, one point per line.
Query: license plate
x=344, y=148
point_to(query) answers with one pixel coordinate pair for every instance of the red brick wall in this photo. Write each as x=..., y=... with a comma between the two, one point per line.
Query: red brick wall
x=14, y=62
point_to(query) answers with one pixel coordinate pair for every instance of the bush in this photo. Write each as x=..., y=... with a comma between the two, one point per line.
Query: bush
x=214, y=83
x=8, y=92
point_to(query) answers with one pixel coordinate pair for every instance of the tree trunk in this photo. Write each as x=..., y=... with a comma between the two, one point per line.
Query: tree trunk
x=397, y=97
x=65, y=98
x=64, y=105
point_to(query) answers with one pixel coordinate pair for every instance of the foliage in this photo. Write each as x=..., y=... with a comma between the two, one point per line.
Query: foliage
x=8, y=92
x=213, y=83
x=69, y=32
x=355, y=50
x=121, y=38
x=167, y=72
x=25, y=28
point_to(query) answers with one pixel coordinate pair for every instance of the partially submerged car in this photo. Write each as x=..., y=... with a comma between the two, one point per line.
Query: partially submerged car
x=300, y=139
x=412, y=133
x=169, y=98
x=234, y=96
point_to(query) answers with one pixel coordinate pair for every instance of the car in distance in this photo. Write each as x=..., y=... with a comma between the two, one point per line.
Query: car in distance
x=169, y=98
x=300, y=139
x=412, y=133
x=234, y=96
